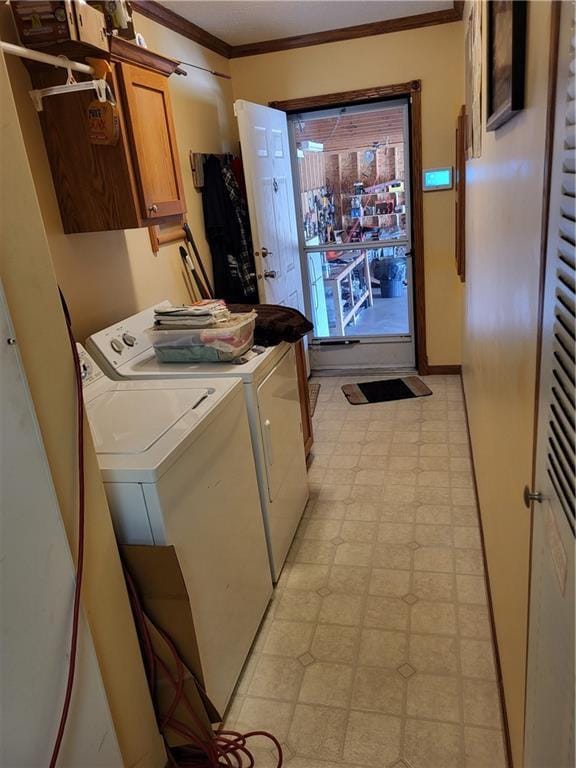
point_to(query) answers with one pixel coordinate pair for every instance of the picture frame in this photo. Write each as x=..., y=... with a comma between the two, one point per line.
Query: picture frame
x=473, y=79
x=506, y=60
x=460, y=193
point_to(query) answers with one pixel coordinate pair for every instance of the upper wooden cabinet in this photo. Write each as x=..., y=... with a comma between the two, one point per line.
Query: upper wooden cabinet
x=153, y=142
x=135, y=183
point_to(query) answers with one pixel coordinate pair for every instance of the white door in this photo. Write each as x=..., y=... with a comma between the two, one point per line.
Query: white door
x=549, y=733
x=268, y=172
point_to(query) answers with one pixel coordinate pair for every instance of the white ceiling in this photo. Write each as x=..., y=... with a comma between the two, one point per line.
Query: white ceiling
x=238, y=22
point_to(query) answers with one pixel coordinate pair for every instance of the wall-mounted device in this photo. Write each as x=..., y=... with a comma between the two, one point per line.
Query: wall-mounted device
x=437, y=178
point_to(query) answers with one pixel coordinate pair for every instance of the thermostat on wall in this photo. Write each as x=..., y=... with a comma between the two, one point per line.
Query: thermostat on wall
x=437, y=178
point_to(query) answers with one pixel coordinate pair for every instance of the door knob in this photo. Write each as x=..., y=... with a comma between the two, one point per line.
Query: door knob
x=530, y=496
x=270, y=273
x=265, y=252
x=153, y=208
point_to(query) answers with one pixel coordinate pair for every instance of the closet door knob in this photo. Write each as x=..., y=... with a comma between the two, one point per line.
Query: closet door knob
x=265, y=252
x=153, y=208
x=270, y=273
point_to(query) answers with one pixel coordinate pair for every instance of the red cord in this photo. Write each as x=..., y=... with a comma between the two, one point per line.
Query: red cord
x=205, y=748
x=80, y=554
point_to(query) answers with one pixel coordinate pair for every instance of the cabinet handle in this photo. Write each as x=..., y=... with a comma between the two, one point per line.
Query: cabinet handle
x=153, y=208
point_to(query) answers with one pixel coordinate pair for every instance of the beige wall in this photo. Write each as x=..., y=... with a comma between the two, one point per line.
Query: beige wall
x=107, y=276
x=31, y=290
x=503, y=220
x=433, y=55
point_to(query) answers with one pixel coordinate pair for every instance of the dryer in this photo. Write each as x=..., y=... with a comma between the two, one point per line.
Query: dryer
x=270, y=382
x=176, y=461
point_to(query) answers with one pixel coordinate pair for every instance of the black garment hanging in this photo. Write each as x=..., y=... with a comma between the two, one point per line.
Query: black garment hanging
x=223, y=235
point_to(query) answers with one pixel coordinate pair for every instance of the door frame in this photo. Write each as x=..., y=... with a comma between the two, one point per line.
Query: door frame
x=412, y=90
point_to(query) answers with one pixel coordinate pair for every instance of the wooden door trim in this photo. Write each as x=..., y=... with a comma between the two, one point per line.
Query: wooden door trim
x=412, y=90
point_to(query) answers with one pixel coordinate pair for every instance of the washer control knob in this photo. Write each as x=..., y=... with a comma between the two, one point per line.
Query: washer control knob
x=117, y=345
x=128, y=339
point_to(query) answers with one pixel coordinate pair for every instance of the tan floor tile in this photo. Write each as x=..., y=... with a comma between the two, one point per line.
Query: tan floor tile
x=391, y=512
x=264, y=715
x=465, y=516
x=247, y=674
x=429, y=449
x=395, y=533
x=378, y=689
x=307, y=576
x=434, y=463
x=433, y=586
x=386, y=612
x=471, y=589
x=433, y=653
x=326, y=683
x=343, y=461
x=295, y=605
x=484, y=748
x=339, y=476
x=329, y=510
x=334, y=493
x=288, y=638
x=323, y=530
x=351, y=579
x=467, y=537
x=474, y=621
x=438, y=559
x=429, y=514
x=310, y=551
x=358, y=530
x=433, y=618
x=477, y=659
x=469, y=561
x=362, y=511
x=395, y=556
x=317, y=731
x=462, y=480
x=369, y=493
x=463, y=496
x=433, y=696
x=378, y=447
x=432, y=745
x=481, y=703
x=434, y=479
x=372, y=739
x=399, y=494
x=459, y=464
x=339, y=608
x=388, y=582
x=403, y=449
x=353, y=553
x=369, y=477
x=335, y=644
x=383, y=648
x=276, y=678
x=433, y=535
x=402, y=463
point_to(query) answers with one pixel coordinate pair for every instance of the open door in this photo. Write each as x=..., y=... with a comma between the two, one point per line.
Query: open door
x=268, y=172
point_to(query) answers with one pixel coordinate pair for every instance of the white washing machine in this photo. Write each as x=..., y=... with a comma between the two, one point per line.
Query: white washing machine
x=177, y=467
x=270, y=381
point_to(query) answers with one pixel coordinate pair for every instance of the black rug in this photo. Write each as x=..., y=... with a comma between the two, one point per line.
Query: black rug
x=385, y=390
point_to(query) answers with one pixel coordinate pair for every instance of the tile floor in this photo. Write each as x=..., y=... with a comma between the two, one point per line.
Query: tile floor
x=376, y=650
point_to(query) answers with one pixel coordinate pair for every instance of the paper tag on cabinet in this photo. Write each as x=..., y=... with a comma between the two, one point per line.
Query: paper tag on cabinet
x=103, y=123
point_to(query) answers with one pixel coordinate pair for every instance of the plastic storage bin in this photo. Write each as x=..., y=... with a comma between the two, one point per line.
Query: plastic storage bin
x=224, y=342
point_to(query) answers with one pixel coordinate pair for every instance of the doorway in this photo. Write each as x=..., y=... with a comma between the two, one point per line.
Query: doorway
x=351, y=169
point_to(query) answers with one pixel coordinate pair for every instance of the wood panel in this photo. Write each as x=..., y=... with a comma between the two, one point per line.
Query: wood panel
x=460, y=192
x=155, y=153
x=342, y=98
x=347, y=33
x=303, y=391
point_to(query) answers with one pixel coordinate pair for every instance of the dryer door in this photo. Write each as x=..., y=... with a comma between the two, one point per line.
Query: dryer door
x=280, y=424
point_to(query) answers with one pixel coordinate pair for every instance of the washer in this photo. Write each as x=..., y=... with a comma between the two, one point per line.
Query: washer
x=177, y=467
x=124, y=351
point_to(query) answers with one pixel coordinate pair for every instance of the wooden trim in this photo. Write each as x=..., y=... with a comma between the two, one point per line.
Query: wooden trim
x=498, y=664
x=460, y=194
x=129, y=53
x=444, y=370
x=346, y=97
x=413, y=90
x=556, y=12
x=459, y=8
x=347, y=33
x=304, y=395
x=182, y=26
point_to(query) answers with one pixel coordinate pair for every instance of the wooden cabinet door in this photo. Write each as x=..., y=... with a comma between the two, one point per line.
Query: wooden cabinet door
x=153, y=140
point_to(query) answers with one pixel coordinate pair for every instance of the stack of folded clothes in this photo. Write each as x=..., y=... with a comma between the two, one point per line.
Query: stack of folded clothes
x=203, y=314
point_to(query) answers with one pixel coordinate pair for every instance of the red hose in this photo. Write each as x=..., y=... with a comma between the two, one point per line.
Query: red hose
x=80, y=554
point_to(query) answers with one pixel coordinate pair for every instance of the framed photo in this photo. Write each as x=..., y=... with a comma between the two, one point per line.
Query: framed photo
x=460, y=187
x=506, y=60
x=473, y=74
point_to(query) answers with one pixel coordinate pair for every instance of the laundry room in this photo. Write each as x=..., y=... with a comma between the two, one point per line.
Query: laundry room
x=266, y=398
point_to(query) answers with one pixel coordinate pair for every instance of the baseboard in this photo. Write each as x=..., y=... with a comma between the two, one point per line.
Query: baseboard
x=444, y=370
x=500, y=681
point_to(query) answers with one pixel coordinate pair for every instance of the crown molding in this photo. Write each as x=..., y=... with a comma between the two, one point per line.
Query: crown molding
x=182, y=26
x=158, y=13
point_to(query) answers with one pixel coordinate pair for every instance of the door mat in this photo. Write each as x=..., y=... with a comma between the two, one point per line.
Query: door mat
x=314, y=391
x=385, y=390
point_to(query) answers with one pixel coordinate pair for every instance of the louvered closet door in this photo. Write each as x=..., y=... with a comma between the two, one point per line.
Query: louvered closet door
x=549, y=735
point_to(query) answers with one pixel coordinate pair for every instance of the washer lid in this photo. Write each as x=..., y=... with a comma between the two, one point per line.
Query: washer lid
x=131, y=421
